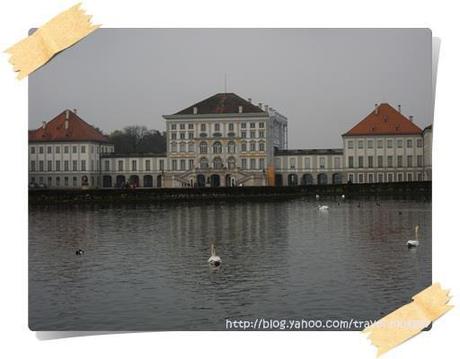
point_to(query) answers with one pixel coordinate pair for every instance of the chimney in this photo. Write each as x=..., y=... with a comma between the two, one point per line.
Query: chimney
x=43, y=124
x=266, y=108
x=376, y=110
x=240, y=109
x=411, y=118
x=399, y=108
x=66, y=114
x=250, y=100
x=195, y=110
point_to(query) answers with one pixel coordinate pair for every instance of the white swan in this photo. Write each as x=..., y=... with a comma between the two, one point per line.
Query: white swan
x=414, y=242
x=323, y=208
x=317, y=196
x=343, y=196
x=214, y=260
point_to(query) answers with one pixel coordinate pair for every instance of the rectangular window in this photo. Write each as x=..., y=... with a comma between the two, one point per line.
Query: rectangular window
x=243, y=134
x=337, y=162
x=40, y=149
x=174, y=165
x=409, y=143
x=190, y=126
x=134, y=165
x=190, y=135
x=74, y=181
x=32, y=166
x=252, y=125
x=360, y=144
x=400, y=161
x=370, y=144
x=307, y=162
x=32, y=150
x=261, y=124
x=173, y=126
x=389, y=143
x=350, y=144
x=49, y=149
x=83, y=165
x=253, y=163
x=409, y=161
x=400, y=177
x=389, y=161
x=58, y=181
x=173, y=135
x=58, y=165
x=66, y=150
x=419, y=161
x=400, y=143
x=370, y=162
x=261, y=147
x=409, y=177
x=147, y=165
x=292, y=163
x=106, y=165
x=182, y=165
x=162, y=165
x=361, y=178
x=203, y=127
x=216, y=127
x=74, y=149
x=58, y=150
x=182, y=135
x=390, y=177
x=252, y=146
x=66, y=165
x=83, y=149
x=230, y=126
x=261, y=163
x=380, y=144
x=262, y=134
x=322, y=162
x=350, y=162
x=244, y=163
x=182, y=126
x=252, y=134
x=360, y=161
x=66, y=181
x=50, y=166
x=419, y=142
x=370, y=178
x=190, y=164
x=243, y=125
x=191, y=147
x=74, y=165
x=120, y=165
x=380, y=161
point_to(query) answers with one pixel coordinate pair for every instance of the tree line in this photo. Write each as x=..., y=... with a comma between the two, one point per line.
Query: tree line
x=138, y=139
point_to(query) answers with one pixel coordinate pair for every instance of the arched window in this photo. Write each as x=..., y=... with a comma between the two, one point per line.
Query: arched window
x=182, y=147
x=231, y=147
x=262, y=146
x=191, y=147
x=244, y=147
x=173, y=147
x=204, y=163
x=217, y=163
x=231, y=163
x=203, y=147
x=217, y=147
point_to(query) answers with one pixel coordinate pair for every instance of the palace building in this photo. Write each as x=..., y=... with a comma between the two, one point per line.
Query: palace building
x=226, y=140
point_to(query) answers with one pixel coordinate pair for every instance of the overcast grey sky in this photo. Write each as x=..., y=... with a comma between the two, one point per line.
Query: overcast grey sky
x=323, y=80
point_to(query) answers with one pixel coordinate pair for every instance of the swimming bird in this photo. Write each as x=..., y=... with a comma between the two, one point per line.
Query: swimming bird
x=411, y=243
x=214, y=260
x=79, y=252
x=343, y=196
x=323, y=208
x=317, y=196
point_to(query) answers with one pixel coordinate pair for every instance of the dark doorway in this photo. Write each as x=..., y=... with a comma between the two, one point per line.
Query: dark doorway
x=215, y=180
x=200, y=181
x=107, y=181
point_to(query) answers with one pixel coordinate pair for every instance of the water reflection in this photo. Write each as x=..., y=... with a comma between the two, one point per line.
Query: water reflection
x=145, y=267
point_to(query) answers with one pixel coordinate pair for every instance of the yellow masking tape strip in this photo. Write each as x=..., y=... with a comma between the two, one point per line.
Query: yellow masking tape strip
x=410, y=319
x=59, y=33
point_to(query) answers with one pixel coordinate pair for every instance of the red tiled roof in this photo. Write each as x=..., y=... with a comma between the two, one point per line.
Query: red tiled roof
x=385, y=120
x=77, y=130
x=221, y=103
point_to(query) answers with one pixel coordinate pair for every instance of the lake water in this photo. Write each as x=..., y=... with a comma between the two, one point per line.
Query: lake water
x=145, y=266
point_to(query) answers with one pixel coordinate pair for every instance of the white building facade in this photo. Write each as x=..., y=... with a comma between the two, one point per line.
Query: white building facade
x=226, y=141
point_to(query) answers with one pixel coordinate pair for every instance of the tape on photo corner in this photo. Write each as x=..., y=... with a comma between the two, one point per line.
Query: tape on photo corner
x=409, y=320
x=59, y=33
